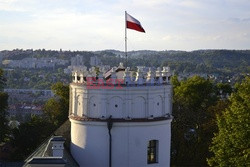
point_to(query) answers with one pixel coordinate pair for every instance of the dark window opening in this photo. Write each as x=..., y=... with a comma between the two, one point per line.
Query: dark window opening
x=152, y=151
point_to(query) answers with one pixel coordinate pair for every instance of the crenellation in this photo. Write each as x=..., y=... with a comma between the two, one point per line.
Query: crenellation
x=139, y=76
x=150, y=77
x=142, y=76
x=113, y=76
x=127, y=77
x=159, y=75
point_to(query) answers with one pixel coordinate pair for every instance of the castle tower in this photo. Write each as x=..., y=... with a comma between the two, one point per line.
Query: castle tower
x=121, y=121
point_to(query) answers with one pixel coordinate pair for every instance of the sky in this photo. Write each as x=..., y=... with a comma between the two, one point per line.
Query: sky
x=90, y=25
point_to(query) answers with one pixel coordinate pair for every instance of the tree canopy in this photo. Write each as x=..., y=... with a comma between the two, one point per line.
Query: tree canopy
x=190, y=135
x=30, y=134
x=57, y=108
x=231, y=145
x=4, y=129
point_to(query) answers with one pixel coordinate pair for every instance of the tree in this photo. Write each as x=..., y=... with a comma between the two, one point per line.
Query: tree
x=2, y=80
x=231, y=145
x=224, y=89
x=57, y=108
x=4, y=129
x=190, y=136
x=174, y=81
x=29, y=135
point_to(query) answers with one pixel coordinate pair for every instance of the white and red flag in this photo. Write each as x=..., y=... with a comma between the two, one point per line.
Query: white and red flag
x=133, y=23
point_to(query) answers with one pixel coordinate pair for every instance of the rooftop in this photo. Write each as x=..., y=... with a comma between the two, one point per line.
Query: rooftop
x=43, y=154
x=47, y=160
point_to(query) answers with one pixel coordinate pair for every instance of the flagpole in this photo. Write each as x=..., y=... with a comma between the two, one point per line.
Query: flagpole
x=126, y=55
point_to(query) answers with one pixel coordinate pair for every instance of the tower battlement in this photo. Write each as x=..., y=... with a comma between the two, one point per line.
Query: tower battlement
x=123, y=76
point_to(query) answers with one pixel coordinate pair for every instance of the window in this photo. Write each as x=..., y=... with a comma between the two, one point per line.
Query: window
x=153, y=151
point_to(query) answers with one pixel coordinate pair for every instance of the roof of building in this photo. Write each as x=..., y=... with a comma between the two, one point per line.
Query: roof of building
x=58, y=138
x=47, y=160
x=128, y=119
x=43, y=154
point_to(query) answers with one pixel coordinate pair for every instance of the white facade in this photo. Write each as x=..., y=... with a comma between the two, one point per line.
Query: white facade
x=133, y=102
x=141, y=112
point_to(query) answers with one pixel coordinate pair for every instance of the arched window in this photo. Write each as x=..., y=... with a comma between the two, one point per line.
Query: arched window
x=153, y=146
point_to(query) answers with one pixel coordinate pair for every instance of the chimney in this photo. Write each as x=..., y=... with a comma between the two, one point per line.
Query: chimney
x=57, y=146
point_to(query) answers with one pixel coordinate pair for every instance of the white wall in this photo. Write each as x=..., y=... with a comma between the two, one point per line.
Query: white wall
x=134, y=102
x=90, y=143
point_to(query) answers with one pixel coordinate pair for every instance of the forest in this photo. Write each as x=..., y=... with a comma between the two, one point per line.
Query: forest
x=223, y=64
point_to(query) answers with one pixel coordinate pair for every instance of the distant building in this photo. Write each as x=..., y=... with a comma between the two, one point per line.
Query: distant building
x=78, y=60
x=77, y=64
x=23, y=102
x=36, y=63
x=95, y=61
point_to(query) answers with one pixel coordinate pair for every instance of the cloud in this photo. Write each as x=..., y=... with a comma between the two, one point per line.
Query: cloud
x=95, y=25
x=9, y=5
x=239, y=20
x=190, y=4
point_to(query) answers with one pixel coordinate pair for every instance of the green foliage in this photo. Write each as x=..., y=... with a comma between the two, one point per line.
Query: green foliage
x=231, y=145
x=196, y=94
x=174, y=81
x=35, y=78
x=190, y=135
x=61, y=90
x=2, y=79
x=218, y=62
x=29, y=135
x=4, y=129
x=224, y=88
x=57, y=108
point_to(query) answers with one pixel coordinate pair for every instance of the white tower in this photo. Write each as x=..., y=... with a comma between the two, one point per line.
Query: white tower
x=127, y=124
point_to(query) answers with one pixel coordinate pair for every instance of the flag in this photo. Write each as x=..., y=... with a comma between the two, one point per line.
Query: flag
x=133, y=23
